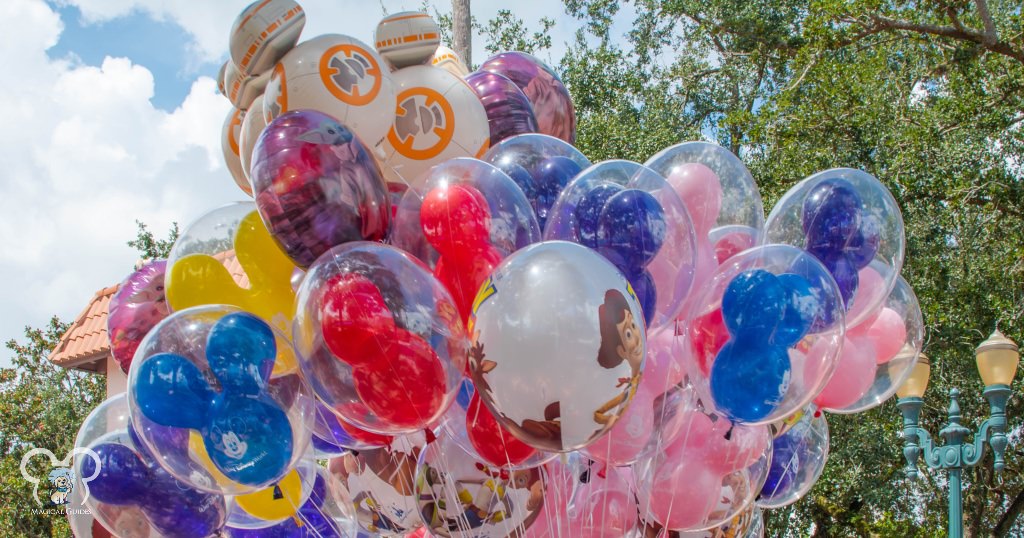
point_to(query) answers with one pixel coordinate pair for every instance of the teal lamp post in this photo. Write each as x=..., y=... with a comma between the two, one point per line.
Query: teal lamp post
x=997, y=363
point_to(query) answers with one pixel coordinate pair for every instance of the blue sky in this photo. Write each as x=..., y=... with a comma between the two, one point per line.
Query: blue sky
x=161, y=46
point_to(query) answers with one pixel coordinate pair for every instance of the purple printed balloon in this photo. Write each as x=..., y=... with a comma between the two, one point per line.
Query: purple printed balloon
x=551, y=102
x=137, y=307
x=509, y=111
x=317, y=186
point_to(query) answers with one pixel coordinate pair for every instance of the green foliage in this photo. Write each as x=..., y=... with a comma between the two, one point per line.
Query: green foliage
x=150, y=247
x=928, y=98
x=41, y=406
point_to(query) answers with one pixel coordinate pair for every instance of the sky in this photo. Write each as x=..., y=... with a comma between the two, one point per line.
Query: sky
x=111, y=115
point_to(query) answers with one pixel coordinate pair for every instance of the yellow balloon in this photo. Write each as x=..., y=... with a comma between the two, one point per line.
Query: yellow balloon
x=198, y=448
x=275, y=502
x=201, y=279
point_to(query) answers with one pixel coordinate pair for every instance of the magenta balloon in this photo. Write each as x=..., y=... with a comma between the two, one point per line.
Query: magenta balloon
x=551, y=102
x=317, y=186
x=509, y=111
x=137, y=307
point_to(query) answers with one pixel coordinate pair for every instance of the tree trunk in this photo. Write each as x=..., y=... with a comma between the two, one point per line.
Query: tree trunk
x=1010, y=516
x=462, y=33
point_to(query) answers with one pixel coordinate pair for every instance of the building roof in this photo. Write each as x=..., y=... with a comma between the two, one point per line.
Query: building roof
x=86, y=345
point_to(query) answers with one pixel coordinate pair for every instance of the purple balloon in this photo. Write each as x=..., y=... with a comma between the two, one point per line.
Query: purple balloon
x=137, y=307
x=551, y=102
x=509, y=111
x=317, y=186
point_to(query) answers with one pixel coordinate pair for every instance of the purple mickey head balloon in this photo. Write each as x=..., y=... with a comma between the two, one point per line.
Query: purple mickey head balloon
x=551, y=102
x=509, y=111
x=317, y=186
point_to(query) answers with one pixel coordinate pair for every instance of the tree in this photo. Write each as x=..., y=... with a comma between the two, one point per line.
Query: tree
x=928, y=98
x=462, y=30
x=42, y=406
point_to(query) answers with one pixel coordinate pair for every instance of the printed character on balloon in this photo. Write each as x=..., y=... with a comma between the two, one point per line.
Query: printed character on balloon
x=491, y=499
x=621, y=341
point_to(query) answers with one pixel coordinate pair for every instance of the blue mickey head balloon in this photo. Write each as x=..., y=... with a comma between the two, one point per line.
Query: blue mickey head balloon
x=245, y=431
x=129, y=478
x=785, y=465
x=764, y=314
x=588, y=212
x=551, y=175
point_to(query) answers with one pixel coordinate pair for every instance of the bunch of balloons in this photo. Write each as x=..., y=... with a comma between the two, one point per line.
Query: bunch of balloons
x=436, y=317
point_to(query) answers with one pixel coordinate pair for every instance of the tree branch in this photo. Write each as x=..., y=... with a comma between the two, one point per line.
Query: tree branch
x=1005, y=523
x=989, y=41
x=990, y=37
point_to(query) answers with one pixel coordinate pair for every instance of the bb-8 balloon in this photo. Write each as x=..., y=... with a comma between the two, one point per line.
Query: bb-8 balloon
x=229, y=142
x=263, y=32
x=242, y=89
x=337, y=75
x=438, y=117
x=252, y=126
x=447, y=59
x=407, y=38
x=220, y=78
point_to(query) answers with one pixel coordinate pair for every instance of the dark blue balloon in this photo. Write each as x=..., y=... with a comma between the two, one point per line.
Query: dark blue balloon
x=753, y=305
x=241, y=352
x=171, y=391
x=749, y=380
x=631, y=229
x=521, y=176
x=864, y=245
x=843, y=273
x=550, y=176
x=176, y=510
x=830, y=205
x=249, y=439
x=646, y=292
x=588, y=212
x=784, y=468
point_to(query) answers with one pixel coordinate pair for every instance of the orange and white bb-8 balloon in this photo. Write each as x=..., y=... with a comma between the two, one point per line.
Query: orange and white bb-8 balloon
x=242, y=89
x=407, y=38
x=252, y=125
x=263, y=32
x=447, y=59
x=337, y=75
x=229, y=143
x=437, y=117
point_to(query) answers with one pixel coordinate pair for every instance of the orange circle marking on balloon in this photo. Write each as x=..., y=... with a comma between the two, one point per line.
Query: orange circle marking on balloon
x=444, y=132
x=328, y=73
x=233, y=130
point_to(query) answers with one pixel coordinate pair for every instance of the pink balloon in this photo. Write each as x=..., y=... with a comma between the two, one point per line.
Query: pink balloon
x=605, y=507
x=553, y=518
x=853, y=376
x=743, y=447
x=664, y=368
x=622, y=444
x=695, y=431
x=887, y=332
x=870, y=293
x=682, y=497
x=701, y=191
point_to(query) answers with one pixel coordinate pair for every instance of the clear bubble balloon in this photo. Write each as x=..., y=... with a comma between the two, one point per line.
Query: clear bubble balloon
x=748, y=524
x=279, y=502
x=551, y=102
x=206, y=402
x=228, y=257
x=333, y=437
x=463, y=218
x=138, y=305
x=764, y=334
x=120, y=481
x=541, y=165
x=381, y=484
x=798, y=459
x=604, y=504
x=705, y=474
x=558, y=345
x=633, y=217
x=317, y=186
x=465, y=497
x=849, y=221
x=891, y=341
x=509, y=111
x=379, y=338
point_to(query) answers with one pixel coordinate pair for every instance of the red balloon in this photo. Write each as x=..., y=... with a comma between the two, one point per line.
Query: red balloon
x=708, y=334
x=455, y=217
x=356, y=322
x=492, y=441
x=364, y=436
x=406, y=384
x=464, y=271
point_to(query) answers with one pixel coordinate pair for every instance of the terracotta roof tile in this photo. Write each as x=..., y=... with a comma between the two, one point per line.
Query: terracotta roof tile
x=86, y=341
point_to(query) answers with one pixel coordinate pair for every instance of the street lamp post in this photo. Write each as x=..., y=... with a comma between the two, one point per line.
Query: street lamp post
x=997, y=363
